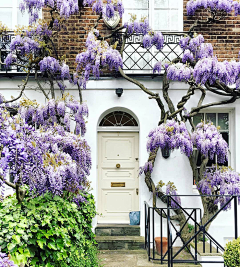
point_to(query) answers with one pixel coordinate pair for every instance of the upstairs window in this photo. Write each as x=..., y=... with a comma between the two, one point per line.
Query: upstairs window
x=10, y=14
x=163, y=15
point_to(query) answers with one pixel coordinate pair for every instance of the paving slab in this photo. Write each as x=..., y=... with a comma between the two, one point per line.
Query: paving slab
x=134, y=258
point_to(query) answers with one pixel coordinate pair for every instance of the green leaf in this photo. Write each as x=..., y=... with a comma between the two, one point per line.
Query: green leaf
x=16, y=238
x=20, y=231
x=34, y=261
x=41, y=242
x=52, y=245
x=11, y=246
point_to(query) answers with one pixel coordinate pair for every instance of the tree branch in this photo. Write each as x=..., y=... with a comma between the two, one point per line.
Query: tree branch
x=22, y=90
x=39, y=85
x=8, y=183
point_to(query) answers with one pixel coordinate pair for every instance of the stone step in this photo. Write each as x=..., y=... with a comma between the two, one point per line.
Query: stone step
x=117, y=230
x=120, y=242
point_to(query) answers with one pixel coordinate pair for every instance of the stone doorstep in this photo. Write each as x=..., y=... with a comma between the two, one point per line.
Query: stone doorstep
x=117, y=230
x=120, y=242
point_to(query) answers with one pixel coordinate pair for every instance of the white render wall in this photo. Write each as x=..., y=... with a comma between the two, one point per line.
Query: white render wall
x=100, y=96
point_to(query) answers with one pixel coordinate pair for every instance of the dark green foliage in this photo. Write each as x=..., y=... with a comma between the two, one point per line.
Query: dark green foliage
x=231, y=254
x=47, y=231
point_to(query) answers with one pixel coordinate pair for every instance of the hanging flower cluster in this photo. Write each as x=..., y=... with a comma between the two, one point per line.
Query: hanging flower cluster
x=98, y=54
x=210, y=142
x=53, y=66
x=220, y=5
x=195, y=48
x=222, y=179
x=179, y=72
x=61, y=111
x=210, y=69
x=49, y=159
x=150, y=38
x=108, y=9
x=170, y=135
x=5, y=261
x=65, y=8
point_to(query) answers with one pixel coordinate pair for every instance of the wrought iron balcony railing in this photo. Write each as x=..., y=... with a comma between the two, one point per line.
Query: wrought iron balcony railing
x=136, y=59
x=5, y=41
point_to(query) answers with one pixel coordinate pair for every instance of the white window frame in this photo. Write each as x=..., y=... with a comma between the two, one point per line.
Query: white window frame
x=15, y=6
x=151, y=15
x=180, y=15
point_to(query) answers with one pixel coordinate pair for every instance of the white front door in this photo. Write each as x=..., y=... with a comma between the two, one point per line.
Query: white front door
x=117, y=176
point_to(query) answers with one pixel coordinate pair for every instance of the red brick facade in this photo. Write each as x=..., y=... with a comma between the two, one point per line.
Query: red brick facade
x=224, y=35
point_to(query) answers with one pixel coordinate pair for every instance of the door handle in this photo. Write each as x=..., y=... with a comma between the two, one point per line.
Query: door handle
x=137, y=191
x=118, y=165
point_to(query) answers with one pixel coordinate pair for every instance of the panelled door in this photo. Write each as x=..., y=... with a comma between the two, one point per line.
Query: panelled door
x=117, y=176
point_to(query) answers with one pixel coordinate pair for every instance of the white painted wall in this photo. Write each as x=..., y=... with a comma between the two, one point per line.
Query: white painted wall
x=100, y=96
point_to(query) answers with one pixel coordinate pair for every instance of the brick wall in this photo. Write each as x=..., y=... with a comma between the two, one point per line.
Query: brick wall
x=223, y=35
x=71, y=39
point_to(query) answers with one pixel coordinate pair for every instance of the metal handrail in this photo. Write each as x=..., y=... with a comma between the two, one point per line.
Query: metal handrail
x=198, y=228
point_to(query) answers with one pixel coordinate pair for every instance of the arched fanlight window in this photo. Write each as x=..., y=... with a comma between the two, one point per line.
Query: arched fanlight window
x=118, y=118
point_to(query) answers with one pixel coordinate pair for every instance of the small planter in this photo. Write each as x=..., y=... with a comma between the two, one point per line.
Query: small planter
x=134, y=217
x=164, y=245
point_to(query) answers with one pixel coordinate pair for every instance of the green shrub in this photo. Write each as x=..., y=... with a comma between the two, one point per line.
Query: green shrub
x=47, y=231
x=231, y=254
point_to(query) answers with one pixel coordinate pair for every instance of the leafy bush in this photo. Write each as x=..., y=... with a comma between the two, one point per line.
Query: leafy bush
x=232, y=253
x=48, y=231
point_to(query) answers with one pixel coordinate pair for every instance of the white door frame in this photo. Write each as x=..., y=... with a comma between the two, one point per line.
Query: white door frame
x=117, y=130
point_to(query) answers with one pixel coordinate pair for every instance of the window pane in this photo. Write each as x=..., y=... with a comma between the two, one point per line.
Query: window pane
x=161, y=3
x=211, y=117
x=143, y=4
x=174, y=20
x=161, y=20
x=173, y=4
x=6, y=16
x=22, y=19
x=197, y=119
x=223, y=121
x=4, y=3
x=139, y=13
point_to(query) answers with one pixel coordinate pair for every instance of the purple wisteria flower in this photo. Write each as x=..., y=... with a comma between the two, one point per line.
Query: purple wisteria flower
x=90, y=60
x=147, y=41
x=46, y=159
x=179, y=72
x=5, y=261
x=172, y=135
x=10, y=59
x=187, y=56
x=33, y=7
x=222, y=179
x=210, y=142
x=157, y=67
x=219, y=5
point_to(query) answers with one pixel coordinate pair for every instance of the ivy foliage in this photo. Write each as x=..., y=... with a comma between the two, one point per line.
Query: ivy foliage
x=231, y=254
x=48, y=231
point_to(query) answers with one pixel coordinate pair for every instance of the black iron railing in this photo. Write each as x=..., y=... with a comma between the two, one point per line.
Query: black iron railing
x=193, y=247
x=137, y=59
